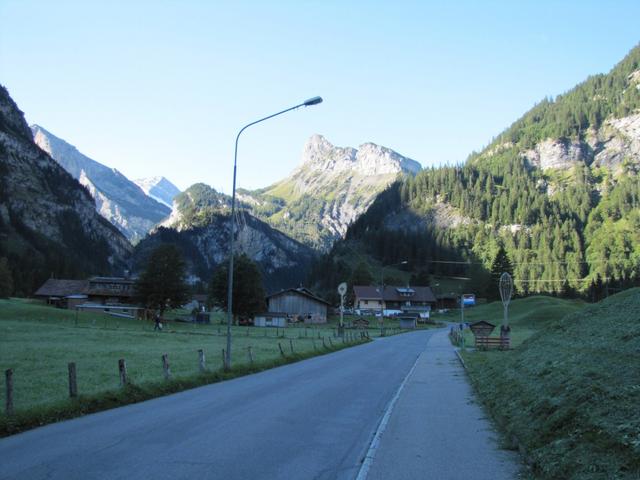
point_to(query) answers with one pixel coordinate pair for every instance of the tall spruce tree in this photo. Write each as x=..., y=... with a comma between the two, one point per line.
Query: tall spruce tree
x=500, y=265
x=248, y=296
x=162, y=285
x=6, y=279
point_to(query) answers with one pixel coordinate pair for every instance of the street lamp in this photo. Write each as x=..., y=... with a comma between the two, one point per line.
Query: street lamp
x=404, y=262
x=306, y=103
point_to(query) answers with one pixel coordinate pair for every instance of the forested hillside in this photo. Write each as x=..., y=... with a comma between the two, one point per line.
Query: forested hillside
x=559, y=190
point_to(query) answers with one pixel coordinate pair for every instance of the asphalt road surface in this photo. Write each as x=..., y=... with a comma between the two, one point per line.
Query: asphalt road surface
x=309, y=420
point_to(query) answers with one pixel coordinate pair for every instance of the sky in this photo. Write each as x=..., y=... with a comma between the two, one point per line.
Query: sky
x=163, y=87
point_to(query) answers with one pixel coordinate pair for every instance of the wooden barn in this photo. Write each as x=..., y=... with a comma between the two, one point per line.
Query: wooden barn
x=300, y=305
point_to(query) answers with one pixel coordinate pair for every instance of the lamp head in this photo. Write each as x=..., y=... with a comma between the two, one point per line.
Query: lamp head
x=312, y=101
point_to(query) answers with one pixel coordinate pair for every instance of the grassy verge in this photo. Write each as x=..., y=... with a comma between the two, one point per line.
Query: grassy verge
x=35, y=416
x=570, y=392
x=38, y=342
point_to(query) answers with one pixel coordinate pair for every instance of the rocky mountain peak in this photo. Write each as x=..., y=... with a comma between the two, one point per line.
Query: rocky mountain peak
x=369, y=159
x=158, y=188
x=117, y=199
x=11, y=117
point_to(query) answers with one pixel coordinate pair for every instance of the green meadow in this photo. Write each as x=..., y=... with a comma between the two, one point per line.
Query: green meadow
x=568, y=394
x=37, y=342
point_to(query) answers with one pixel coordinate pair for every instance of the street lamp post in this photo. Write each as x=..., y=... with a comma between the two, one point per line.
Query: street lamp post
x=307, y=103
x=404, y=262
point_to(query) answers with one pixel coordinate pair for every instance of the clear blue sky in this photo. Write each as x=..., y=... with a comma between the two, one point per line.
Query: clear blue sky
x=162, y=87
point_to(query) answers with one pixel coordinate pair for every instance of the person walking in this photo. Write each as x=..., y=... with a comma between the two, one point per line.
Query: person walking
x=158, y=324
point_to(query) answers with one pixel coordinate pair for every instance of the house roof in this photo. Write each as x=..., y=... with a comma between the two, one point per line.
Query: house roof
x=300, y=291
x=55, y=287
x=394, y=293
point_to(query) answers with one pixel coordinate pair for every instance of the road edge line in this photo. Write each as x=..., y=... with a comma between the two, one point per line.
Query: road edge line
x=373, y=446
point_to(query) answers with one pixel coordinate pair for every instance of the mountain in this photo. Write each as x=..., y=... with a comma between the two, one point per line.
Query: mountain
x=199, y=227
x=117, y=199
x=158, y=188
x=330, y=189
x=48, y=222
x=559, y=189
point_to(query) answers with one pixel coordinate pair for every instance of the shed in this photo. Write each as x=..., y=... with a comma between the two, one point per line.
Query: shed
x=300, y=304
x=270, y=319
x=58, y=292
x=408, y=322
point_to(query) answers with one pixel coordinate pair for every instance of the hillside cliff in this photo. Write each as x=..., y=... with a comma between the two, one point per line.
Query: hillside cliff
x=48, y=221
x=329, y=190
x=118, y=199
x=199, y=226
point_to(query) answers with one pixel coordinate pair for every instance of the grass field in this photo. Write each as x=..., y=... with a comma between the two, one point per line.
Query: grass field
x=526, y=315
x=38, y=342
x=570, y=390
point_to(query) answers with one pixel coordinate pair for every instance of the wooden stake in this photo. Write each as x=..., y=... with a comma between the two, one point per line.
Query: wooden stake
x=165, y=366
x=73, y=383
x=8, y=379
x=250, y=354
x=291, y=345
x=280, y=347
x=201, y=360
x=122, y=369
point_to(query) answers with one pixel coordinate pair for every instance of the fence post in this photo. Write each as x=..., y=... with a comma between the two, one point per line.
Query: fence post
x=314, y=343
x=73, y=383
x=330, y=342
x=165, y=366
x=8, y=378
x=224, y=361
x=291, y=345
x=201, y=360
x=280, y=347
x=323, y=344
x=122, y=369
x=250, y=355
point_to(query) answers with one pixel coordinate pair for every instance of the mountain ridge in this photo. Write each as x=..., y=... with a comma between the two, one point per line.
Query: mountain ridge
x=48, y=221
x=117, y=198
x=331, y=187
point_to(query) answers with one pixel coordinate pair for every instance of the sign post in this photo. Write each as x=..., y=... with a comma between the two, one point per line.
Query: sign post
x=506, y=290
x=342, y=290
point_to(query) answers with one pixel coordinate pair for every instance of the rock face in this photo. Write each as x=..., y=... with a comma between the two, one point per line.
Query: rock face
x=48, y=221
x=330, y=189
x=558, y=154
x=616, y=141
x=118, y=199
x=199, y=226
x=158, y=188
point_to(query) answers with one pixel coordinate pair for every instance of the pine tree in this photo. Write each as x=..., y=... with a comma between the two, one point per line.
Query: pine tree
x=248, y=296
x=500, y=265
x=162, y=285
x=6, y=279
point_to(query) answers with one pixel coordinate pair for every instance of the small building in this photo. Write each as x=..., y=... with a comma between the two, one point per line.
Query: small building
x=96, y=290
x=394, y=300
x=270, y=319
x=63, y=293
x=111, y=290
x=299, y=304
x=408, y=322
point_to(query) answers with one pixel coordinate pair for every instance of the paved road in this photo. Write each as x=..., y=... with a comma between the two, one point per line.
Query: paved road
x=437, y=430
x=309, y=420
